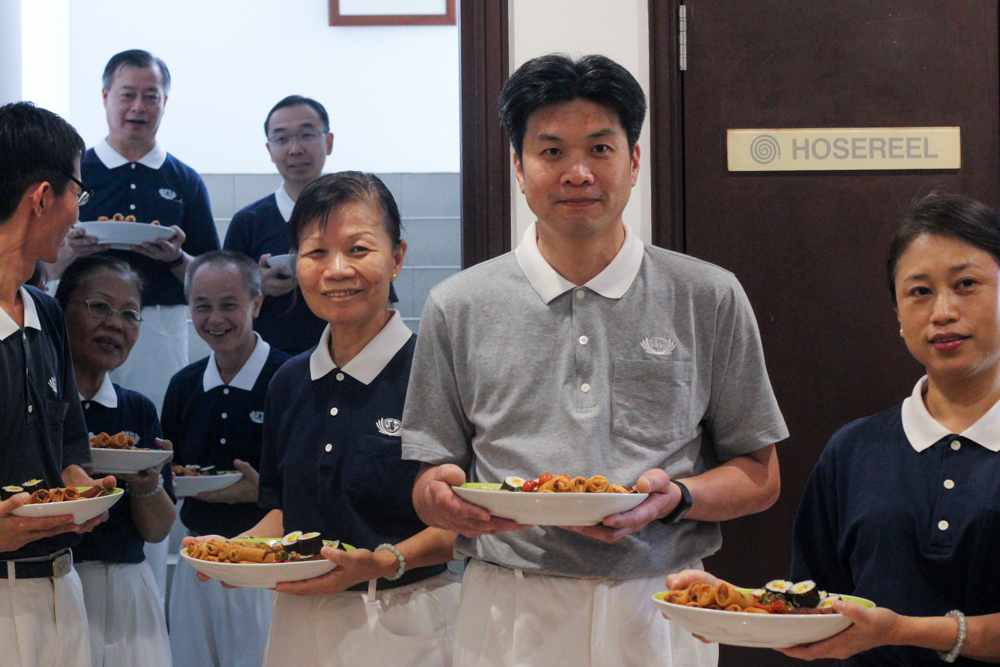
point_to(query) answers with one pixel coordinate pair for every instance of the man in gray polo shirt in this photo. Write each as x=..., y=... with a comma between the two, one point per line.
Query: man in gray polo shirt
x=587, y=352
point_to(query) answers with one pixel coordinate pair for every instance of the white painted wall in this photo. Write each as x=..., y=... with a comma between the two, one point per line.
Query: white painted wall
x=619, y=30
x=10, y=51
x=392, y=92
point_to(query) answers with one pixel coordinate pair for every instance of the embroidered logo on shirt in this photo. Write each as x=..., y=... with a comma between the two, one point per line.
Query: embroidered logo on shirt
x=167, y=193
x=658, y=346
x=52, y=383
x=257, y=417
x=389, y=426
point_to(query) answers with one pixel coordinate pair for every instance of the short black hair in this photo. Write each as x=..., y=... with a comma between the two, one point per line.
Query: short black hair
x=83, y=267
x=555, y=78
x=955, y=216
x=35, y=145
x=295, y=101
x=135, y=58
x=249, y=269
x=331, y=191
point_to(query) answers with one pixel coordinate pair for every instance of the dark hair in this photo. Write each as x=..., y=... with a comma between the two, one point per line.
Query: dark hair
x=954, y=216
x=295, y=101
x=334, y=190
x=84, y=267
x=35, y=145
x=555, y=78
x=135, y=58
x=249, y=270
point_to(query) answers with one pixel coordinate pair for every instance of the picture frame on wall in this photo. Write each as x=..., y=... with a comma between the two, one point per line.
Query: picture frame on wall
x=392, y=12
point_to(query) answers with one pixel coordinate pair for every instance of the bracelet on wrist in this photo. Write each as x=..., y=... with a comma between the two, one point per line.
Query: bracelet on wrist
x=399, y=557
x=173, y=264
x=952, y=655
x=148, y=494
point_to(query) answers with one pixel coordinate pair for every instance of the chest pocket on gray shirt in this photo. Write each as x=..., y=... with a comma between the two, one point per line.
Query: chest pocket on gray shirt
x=651, y=400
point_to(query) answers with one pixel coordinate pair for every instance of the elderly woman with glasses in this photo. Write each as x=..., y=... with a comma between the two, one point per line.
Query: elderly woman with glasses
x=102, y=297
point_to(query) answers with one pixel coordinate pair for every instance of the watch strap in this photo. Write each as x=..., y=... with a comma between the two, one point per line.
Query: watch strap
x=682, y=507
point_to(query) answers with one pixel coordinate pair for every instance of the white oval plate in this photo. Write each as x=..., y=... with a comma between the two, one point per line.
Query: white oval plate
x=285, y=262
x=126, y=461
x=82, y=510
x=757, y=630
x=261, y=575
x=121, y=235
x=192, y=486
x=548, y=509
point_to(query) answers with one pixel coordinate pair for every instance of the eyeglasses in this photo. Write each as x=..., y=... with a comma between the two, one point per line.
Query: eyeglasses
x=305, y=138
x=102, y=310
x=85, y=192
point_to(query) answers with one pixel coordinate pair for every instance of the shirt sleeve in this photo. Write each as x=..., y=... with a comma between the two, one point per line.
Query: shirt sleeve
x=76, y=439
x=743, y=414
x=436, y=428
x=198, y=223
x=269, y=493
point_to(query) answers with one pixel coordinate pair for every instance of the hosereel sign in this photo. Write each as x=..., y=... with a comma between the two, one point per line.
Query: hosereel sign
x=841, y=149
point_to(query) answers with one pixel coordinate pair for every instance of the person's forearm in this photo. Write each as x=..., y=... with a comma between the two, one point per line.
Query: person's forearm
x=741, y=486
x=430, y=546
x=272, y=525
x=153, y=517
x=938, y=633
x=74, y=475
x=181, y=269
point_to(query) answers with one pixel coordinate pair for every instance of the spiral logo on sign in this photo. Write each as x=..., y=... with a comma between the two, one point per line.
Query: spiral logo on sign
x=765, y=149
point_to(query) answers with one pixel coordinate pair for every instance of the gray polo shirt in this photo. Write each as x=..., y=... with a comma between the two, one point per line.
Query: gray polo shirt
x=654, y=363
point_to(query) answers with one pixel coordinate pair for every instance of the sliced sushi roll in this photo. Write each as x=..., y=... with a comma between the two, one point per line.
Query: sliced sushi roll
x=9, y=492
x=778, y=586
x=289, y=541
x=828, y=601
x=512, y=483
x=805, y=594
x=33, y=485
x=309, y=544
x=208, y=470
x=757, y=592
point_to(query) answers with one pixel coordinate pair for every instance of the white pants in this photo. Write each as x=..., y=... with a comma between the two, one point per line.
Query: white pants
x=156, y=560
x=403, y=627
x=125, y=615
x=212, y=626
x=161, y=351
x=43, y=623
x=518, y=621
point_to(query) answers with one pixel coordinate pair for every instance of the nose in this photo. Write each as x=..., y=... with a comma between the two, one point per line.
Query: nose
x=339, y=267
x=577, y=174
x=945, y=308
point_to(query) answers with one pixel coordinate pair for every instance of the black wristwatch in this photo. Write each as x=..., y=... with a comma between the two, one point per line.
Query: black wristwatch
x=175, y=263
x=682, y=507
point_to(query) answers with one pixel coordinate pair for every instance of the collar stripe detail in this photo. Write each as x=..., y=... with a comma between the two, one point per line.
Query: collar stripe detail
x=112, y=159
x=247, y=377
x=923, y=431
x=367, y=365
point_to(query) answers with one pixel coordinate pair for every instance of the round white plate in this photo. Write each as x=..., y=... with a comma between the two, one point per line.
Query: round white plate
x=285, y=262
x=192, y=486
x=548, y=509
x=261, y=575
x=82, y=510
x=123, y=461
x=757, y=630
x=121, y=235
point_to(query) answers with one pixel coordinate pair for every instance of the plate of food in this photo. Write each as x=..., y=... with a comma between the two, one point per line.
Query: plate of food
x=83, y=502
x=118, y=455
x=780, y=615
x=121, y=232
x=552, y=500
x=191, y=480
x=254, y=562
x=285, y=262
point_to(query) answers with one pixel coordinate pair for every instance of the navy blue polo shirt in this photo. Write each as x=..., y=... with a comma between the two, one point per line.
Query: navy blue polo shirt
x=212, y=423
x=157, y=187
x=333, y=459
x=285, y=321
x=914, y=531
x=42, y=431
x=115, y=410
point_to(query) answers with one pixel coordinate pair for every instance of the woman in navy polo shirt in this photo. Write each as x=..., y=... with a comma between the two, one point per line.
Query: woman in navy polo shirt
x=332, y=460
x=101, y=298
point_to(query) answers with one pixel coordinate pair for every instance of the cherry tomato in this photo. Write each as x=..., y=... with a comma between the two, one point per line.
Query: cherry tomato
x=564, y=475
x=545, y=478
x=529, y=486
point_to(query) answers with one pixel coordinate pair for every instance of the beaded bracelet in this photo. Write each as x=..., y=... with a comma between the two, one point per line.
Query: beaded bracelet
x=399, y=556
x=952, y=655
x=149, y=494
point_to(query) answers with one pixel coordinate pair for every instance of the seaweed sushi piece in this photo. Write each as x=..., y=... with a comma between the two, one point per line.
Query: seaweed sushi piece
x=289, y=541
x=805, y=594
x=33, y=485
x=512, y=483
x=9, y=492
x=778, y=586
x=309, y=544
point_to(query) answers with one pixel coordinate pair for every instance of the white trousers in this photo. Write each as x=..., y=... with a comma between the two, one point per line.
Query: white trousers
x=156, y=560
x=125, y=615
x=43, y=623
x=402, y=627
x=161, y=351
x=509, y=620
x=212, y=626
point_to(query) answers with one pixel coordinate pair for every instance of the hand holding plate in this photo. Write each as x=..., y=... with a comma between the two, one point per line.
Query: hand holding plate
x=663, y=498
x=274, y=280
x=353, y=567
x=872, y=628
x=16, y=531
x=243, y=491
x=165, y=249
x=439, y=506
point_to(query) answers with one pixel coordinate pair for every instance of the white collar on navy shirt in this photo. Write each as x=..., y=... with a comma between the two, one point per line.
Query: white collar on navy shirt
x=112, y=159
x=285, y=203
x=611, y=283
x=247, y=377
x=370, y=361
x=9, y=327
x=922, y=430
x=106, y=395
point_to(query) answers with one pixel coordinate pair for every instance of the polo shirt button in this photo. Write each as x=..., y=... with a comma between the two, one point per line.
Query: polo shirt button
x=579, y=294
x=949, y=484
x=222, y=440
x=340, y=377
x=585, y=387
x=224, y=415
x=86, y=406
x=133, y=186
x=225, y=391
x=584, y=340
x=30, y=408
x=943, y=525
x=956, y=445
x=333, y=412
x=329, y=448
x=132, y=206
x=133, y=165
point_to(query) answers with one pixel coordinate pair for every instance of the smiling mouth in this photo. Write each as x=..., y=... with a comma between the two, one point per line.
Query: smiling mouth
x=341, y=293
x=107, y=343
x=217, y=334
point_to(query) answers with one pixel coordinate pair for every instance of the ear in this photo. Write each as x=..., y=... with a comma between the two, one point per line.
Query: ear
x=397, y=258
x=39, y=202
x=257, y=302
x=104, y=96
x=329, y=142
x=635, y=164
x=518, y=171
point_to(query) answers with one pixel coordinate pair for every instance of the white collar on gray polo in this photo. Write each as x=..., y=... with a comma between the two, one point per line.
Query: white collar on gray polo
x=611, y=283
x=922, y=430
x=106, y=395
x=285, y=203
x=370, y=361
x=247, y=377
x=9, y=327
x=112, y=159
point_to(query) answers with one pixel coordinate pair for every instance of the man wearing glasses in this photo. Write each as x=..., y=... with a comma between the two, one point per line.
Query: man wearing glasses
x=42, y=430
